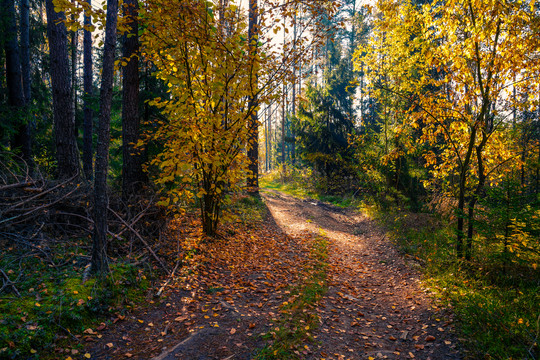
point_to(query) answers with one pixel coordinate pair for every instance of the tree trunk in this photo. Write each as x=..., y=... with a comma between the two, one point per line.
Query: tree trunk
x=253, y=122
x=20, y=141
x=74, y=47
x=67, y=154
x=476, y=196
x=101, y=200
x=293, y=142
x=132, y=174
x=88, y=92
x=25, y=50
x=462, y=189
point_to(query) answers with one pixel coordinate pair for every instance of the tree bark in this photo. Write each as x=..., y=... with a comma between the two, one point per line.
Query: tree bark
x=253, y=122
x=462, y=190
x=74, y=47
x=101, y=200
x=88, y=92
x=20, y=141
x=67, y=154
x=132, y=174
x=25, y=50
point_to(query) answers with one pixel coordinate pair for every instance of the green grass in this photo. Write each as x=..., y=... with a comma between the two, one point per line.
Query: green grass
x=289, y=335
x=298, y=184
x=53, y=305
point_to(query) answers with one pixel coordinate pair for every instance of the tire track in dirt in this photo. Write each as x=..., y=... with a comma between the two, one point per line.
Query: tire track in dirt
x=376, y=307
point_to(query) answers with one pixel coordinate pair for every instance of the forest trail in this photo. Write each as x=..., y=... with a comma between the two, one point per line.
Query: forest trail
x=375, y=306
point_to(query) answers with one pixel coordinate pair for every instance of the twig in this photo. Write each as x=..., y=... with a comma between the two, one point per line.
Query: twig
x=138, y=217
x=160, y=291
x=136, y=233
x=8, y=282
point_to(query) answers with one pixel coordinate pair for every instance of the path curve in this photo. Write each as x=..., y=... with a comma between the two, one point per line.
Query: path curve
x=376, y=306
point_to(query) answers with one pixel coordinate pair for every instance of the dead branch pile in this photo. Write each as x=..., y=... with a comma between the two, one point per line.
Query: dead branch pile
x=37, y=213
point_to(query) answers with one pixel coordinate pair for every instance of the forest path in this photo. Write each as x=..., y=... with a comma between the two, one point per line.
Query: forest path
x=375, y=306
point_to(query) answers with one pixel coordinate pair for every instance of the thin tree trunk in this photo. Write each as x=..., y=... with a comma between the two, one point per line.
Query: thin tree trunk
x=20, y=141
x=461, y=198
x=67, y=154
x=132, y=174
x=253, y=122
x=101, y=200
x=88, y=92
x=293, y=142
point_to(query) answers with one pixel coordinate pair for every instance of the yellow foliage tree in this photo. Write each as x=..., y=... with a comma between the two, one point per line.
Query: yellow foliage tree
x=455, y=63
x=201, y=53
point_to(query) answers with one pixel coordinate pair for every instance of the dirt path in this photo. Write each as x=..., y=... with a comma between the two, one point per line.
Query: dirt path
x=375, y=306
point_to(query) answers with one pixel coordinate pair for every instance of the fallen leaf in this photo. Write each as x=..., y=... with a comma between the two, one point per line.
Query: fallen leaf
x=233, y=330
x=430, y=338
x=110, y=345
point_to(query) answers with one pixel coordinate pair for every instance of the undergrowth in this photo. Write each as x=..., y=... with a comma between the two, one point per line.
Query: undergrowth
x=497, y=303
x=289, y=336
x=299, y=184
x=46, y=307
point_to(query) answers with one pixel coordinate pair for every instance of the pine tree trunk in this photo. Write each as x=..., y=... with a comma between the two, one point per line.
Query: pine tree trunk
x=67, y=154
x=88, y=92
x=74, y=47
x=132, y=174
x=20, y=141
x=25, y=50
x=253, y=122
x=101, y=200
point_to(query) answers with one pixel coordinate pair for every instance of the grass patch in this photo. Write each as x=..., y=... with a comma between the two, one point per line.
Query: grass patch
x=497, y=304
x=289, y=335
x=298, y=184
x=48, y=305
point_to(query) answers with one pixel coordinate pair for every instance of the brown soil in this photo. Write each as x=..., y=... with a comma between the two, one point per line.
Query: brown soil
x=375, y=307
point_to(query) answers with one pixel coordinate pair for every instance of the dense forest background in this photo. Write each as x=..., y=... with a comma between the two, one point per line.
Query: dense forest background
x=118, y=118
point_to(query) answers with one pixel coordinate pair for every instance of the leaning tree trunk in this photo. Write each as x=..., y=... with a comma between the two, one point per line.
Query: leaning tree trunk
x=132, y=174
x=88, y=92
x=67, y=154
x=253, y=122
x=101, y=201
x=14, y=81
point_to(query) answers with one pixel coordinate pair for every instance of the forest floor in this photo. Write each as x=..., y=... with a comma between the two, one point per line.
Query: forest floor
x=233, y=302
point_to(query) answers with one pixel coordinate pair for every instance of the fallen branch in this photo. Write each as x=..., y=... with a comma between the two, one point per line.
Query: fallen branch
x=44, y=206
x=8, y=282
x=17, y=185
x=40, y=194
x=160, y=291
x=136, y=233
